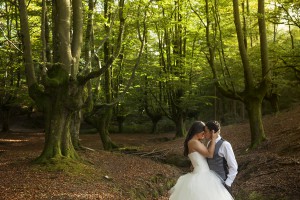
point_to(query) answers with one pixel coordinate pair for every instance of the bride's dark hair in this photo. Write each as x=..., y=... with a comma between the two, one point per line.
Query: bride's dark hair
x=197, y=127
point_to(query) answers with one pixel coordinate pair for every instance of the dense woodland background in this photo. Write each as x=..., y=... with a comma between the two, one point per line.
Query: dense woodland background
x=144, y=67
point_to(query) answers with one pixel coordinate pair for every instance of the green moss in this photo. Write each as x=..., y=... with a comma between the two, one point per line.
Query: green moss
x=66, y=165
x=137, y=193
x=57, y=73
x=254, y=195
x=36, y=93
x=155, y=186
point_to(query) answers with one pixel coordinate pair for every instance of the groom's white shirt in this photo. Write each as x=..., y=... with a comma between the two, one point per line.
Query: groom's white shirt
x=226, y=151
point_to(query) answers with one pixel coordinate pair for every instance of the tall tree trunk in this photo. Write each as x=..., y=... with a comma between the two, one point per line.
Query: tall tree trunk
x=154, y=126
x=103, y=125
x=180, y=127
x=75, y=128
x=100, y=120
x=107, y=111
x=5, y=118
x=107, y=86
x=110, y=53
x=273, y=99
x=253, y=106
x=177, y=68
x=61, y=95
x=252, y=95
x=177, y=114
x=58, y=141
x=152, y=109
x=155, y=118
x=120, y=119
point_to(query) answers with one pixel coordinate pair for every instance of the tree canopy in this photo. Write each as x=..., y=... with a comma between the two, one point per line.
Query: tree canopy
x=181, y=60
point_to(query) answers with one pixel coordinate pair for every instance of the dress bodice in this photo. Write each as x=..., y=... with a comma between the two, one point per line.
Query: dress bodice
x=199, y=162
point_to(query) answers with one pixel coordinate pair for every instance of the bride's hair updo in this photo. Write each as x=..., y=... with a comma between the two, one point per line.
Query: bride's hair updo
x=197, y=127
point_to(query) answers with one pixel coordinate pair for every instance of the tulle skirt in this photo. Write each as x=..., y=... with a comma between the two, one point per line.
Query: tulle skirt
x=202, y=185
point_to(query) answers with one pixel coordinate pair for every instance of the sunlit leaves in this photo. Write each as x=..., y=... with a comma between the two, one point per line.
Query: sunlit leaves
x=282, y=26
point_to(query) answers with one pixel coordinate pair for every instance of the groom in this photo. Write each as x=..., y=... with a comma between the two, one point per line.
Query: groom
x=223, y=162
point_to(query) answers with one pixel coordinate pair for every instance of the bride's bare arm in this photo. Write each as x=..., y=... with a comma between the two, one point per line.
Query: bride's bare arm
x=195, y=145
x=211, y=146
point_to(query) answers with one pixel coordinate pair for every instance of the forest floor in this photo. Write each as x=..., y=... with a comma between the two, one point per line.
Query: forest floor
x=140, y=170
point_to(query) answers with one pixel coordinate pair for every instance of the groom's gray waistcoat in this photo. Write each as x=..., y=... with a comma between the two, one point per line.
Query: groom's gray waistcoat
x=218, y=163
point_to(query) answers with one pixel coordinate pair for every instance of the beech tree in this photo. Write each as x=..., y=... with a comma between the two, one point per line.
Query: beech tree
x=61, y=92
x=113, y=51
x=254, y=91
x=172, y=50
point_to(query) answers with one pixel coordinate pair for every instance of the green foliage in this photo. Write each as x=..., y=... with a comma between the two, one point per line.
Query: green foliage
x=159, y=73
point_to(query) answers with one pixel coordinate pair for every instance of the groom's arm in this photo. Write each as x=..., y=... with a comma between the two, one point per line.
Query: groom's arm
x=226, y=151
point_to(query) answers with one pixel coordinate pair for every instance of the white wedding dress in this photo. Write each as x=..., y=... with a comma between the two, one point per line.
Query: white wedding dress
x=201, y=184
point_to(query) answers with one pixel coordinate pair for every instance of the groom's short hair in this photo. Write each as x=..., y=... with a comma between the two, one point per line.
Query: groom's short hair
x=213, y=125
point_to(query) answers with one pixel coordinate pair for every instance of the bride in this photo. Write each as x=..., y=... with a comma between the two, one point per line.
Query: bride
x=201, y=183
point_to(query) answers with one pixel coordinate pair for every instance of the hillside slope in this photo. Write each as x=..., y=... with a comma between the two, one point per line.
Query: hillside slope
x=138, y=170
x=271, y=171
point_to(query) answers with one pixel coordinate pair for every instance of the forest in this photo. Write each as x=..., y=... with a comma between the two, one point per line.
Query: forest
x=68, y=67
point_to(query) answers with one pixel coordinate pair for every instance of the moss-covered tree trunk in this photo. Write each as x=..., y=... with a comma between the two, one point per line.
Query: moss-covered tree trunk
x=59, y=110
x=61, y=93
x=180, y=127
x=102, y=126
x=253, y=106
x=177, y=114
x=58, y=140
x=100, y=120
x=75, y=128
x=106, y=114
x=106, y=111
x=255, y=88
x=101, y=115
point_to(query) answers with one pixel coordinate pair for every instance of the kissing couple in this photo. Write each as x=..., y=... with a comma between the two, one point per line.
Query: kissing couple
x=214, y=166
